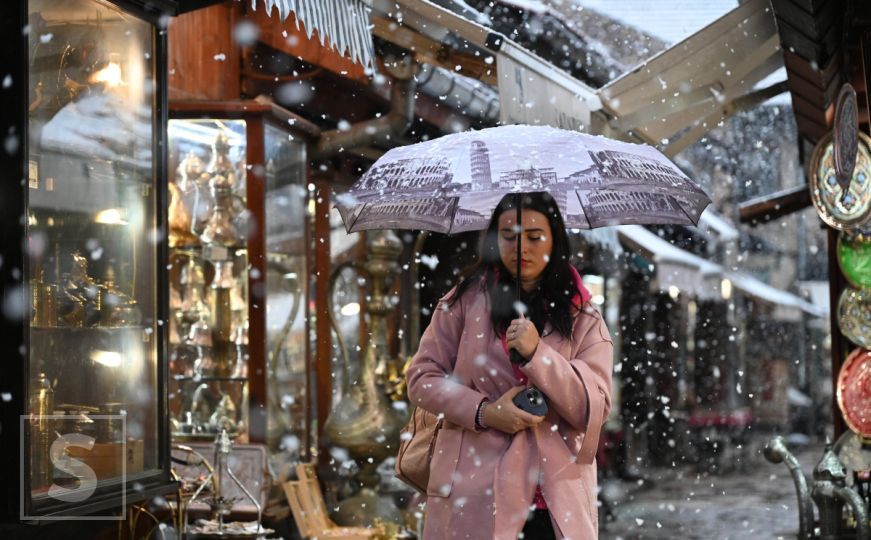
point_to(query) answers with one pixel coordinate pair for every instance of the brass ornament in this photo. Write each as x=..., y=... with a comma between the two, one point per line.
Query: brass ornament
x=364, y=422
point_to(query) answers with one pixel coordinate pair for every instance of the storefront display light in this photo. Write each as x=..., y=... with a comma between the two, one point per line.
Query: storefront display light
x=110, y=216
x=111, y=74
x=726, y=289
x=111, y=359
x=350, y=309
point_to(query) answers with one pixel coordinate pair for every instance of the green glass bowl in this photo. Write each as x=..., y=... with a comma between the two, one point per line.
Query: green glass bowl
x=854, y=257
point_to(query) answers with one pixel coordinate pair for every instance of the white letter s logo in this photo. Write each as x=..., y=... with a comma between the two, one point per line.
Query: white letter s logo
x=86, y=475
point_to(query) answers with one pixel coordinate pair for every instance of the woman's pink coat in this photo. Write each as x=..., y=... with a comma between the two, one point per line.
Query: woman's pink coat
x=482, y=483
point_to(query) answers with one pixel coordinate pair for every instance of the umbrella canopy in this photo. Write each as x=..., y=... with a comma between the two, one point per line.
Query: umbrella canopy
x=452, y=184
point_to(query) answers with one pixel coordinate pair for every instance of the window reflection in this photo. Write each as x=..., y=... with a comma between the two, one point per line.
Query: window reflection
x=90, y=234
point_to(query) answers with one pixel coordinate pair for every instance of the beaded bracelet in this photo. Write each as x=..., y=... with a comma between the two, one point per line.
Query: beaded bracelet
x=479, y=416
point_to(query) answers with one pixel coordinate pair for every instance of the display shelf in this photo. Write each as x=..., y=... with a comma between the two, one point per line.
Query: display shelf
x=209, y=378
x=274, y=282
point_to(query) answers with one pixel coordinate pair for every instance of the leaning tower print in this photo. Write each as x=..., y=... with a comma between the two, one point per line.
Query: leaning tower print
x=479, y=158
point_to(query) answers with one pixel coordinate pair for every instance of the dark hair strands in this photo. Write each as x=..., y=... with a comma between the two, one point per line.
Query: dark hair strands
x=552, y=300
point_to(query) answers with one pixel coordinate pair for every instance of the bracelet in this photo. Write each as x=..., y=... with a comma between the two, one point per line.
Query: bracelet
x=479, y=416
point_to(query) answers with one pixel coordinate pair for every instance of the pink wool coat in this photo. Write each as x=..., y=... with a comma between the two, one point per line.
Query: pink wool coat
x=482, y=483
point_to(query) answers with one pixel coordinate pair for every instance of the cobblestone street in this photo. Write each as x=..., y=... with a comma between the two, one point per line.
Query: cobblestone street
x=682, y=503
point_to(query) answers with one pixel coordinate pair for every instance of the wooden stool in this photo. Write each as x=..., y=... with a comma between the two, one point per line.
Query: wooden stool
x=310, y=512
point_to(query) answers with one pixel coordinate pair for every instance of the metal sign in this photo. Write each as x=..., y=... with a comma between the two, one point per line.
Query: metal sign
x=846, y=135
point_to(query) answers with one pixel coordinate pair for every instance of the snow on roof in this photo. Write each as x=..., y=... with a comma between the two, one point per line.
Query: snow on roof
x=670, y=20
x=662, y=250
x=772, y=295
x=713, y=221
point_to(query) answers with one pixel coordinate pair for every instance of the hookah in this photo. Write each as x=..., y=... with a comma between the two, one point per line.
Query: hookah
x=220, y=505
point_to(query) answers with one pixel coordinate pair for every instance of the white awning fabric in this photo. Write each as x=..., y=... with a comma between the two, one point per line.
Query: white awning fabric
x=345, y=23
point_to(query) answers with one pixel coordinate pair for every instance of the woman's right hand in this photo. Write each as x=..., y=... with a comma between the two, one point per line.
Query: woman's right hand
x=504, y=415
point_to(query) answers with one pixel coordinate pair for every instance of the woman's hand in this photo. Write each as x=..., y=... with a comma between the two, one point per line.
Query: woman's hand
x=504, y=415
x=522, y=336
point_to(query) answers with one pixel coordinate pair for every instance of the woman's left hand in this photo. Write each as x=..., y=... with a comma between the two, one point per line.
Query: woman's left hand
x=522, y=336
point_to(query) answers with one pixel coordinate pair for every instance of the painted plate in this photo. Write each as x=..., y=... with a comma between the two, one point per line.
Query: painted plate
x=854, y=392
x=836, y=208
x=854, y=315
x=854, y=257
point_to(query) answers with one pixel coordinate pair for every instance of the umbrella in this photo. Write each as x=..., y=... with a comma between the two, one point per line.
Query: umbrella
x=453, y=183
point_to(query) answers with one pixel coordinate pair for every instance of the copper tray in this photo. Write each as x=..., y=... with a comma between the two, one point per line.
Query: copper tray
x=854, y=392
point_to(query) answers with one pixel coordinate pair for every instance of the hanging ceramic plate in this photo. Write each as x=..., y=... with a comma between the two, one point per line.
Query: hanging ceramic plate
x=854, y=392
x=854, y=257
x=837, y=209
x=854, y=316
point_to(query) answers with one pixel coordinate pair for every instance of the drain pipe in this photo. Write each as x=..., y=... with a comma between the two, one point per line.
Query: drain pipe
x=393, y=124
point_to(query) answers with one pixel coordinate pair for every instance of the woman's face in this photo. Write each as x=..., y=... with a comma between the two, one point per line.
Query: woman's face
x=535, y=246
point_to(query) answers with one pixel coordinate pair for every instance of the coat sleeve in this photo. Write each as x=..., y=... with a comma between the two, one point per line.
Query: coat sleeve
x=430, y=379
x=578, y=388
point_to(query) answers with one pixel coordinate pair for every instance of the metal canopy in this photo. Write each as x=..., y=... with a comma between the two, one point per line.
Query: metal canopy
x=683, y=92
x=532, y=90
x=670, y=101
x=342, y=25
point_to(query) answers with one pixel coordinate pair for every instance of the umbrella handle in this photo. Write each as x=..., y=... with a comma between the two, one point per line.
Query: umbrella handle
x=517, y=202
x=515, y=356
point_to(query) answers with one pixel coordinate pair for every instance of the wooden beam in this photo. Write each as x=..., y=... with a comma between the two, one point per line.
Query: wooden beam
x=255, y=186
x=433, y=52
x=324, y=347
x=774, y=206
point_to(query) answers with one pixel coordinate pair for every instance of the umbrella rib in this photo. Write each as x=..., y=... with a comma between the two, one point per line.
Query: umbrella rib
x=584, y=210
x=453, y=215
x=693, y=221
x=360, y=213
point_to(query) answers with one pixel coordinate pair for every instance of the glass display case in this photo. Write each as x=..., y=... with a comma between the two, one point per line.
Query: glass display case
x=92, y=403
x=239, y=330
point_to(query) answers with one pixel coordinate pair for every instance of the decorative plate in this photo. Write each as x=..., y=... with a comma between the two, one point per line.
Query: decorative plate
x=854, y=257
x=836, y=208
x=854, y=315
x=854, y=392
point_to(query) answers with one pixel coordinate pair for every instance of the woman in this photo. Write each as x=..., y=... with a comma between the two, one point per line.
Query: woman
x=493, y=462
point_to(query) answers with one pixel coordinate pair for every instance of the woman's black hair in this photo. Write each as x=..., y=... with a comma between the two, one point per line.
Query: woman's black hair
x=554, y=298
